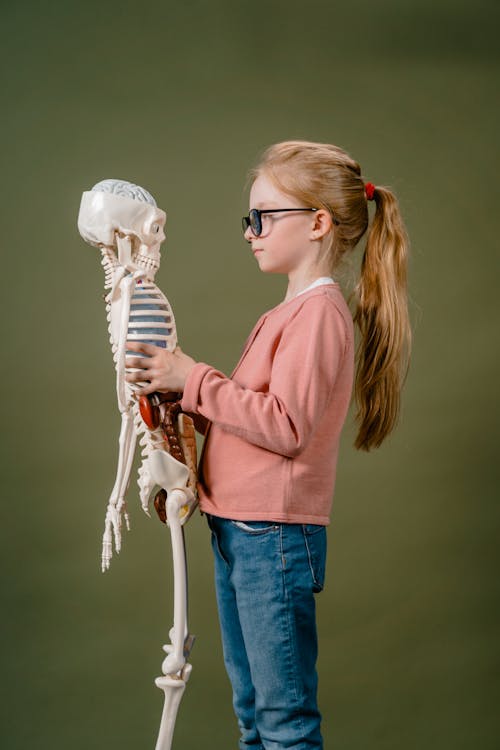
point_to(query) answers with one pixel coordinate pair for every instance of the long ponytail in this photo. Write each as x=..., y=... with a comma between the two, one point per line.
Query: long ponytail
x=382, y=316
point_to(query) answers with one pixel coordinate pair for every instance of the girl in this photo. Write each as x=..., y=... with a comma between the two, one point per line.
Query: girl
x=272, y=429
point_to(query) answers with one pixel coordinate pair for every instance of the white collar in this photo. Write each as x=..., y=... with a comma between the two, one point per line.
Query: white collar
x=319, y=282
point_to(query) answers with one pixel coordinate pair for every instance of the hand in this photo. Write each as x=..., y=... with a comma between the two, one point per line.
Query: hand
x=165, y=371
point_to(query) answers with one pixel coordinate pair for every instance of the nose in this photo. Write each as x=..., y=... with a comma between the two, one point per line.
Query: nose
x=248, y=234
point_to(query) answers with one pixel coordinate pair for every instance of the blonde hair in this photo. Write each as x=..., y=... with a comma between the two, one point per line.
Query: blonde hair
x=320, y=175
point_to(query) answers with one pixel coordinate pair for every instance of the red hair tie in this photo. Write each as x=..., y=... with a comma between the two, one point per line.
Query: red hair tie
x=370, y=190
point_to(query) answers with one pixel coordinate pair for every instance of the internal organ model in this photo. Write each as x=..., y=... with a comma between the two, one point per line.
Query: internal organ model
x=124, y=222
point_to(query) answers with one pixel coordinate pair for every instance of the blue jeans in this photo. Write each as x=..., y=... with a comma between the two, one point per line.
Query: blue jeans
x=266, y=575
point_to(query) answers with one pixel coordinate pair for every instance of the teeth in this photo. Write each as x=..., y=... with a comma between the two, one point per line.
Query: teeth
x=143, y=261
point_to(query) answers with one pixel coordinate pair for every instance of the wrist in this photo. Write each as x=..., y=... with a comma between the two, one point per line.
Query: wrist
x=188, y=370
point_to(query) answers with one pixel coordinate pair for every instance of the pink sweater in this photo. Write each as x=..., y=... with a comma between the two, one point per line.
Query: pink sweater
x=271, y=446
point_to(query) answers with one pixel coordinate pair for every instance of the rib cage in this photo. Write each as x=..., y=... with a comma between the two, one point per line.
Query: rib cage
x=151, y=319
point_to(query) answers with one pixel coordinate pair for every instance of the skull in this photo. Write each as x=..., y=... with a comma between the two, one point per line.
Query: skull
x=114, y=209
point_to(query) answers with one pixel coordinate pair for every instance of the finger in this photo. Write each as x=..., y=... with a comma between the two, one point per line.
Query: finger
x=137, y=377
x=141, y=363
x=140, y=346
x=146, y=390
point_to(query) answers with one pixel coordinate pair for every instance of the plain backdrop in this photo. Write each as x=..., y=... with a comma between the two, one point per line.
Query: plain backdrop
x=182, y=98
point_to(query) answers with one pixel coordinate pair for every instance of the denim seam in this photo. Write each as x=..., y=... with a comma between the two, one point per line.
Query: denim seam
x=309, y=557
x=312, y=529
x=283, y=560
x=291, y=638
x=217, y=545
x=253, y=532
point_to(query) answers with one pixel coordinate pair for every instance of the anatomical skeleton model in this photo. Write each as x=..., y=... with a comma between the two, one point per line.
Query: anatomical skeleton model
x=122, y=219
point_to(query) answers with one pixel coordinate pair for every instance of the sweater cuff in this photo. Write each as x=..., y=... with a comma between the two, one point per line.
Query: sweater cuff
x=192, y=387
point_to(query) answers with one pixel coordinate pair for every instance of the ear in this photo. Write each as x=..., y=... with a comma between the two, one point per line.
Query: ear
x=322, y=224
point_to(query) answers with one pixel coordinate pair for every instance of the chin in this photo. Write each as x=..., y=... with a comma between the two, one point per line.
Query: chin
x=269, y=267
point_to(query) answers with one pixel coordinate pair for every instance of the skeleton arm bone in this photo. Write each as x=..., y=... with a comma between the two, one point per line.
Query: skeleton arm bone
x=116, y=504
x=120, y=305
x=126, y=287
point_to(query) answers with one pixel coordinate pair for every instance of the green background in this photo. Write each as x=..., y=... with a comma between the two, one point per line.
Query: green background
x=182, y=98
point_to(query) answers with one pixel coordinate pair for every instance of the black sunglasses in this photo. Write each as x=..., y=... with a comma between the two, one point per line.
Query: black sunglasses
x=254, y=220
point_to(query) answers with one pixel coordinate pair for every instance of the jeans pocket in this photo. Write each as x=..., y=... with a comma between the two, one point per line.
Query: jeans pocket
x=315, y=541
x=255, y=528
x=214, y=534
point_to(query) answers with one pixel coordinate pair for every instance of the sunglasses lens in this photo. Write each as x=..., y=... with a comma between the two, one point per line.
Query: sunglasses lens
x=255, y=222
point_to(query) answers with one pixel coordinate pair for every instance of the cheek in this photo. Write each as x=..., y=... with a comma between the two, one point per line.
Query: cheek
x=289, y=243
x=291, y=230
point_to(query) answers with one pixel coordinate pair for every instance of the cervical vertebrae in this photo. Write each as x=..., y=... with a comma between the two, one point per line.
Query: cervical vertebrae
x=122, y=219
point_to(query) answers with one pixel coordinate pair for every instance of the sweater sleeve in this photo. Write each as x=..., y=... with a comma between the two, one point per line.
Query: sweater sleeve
x=304, y=368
